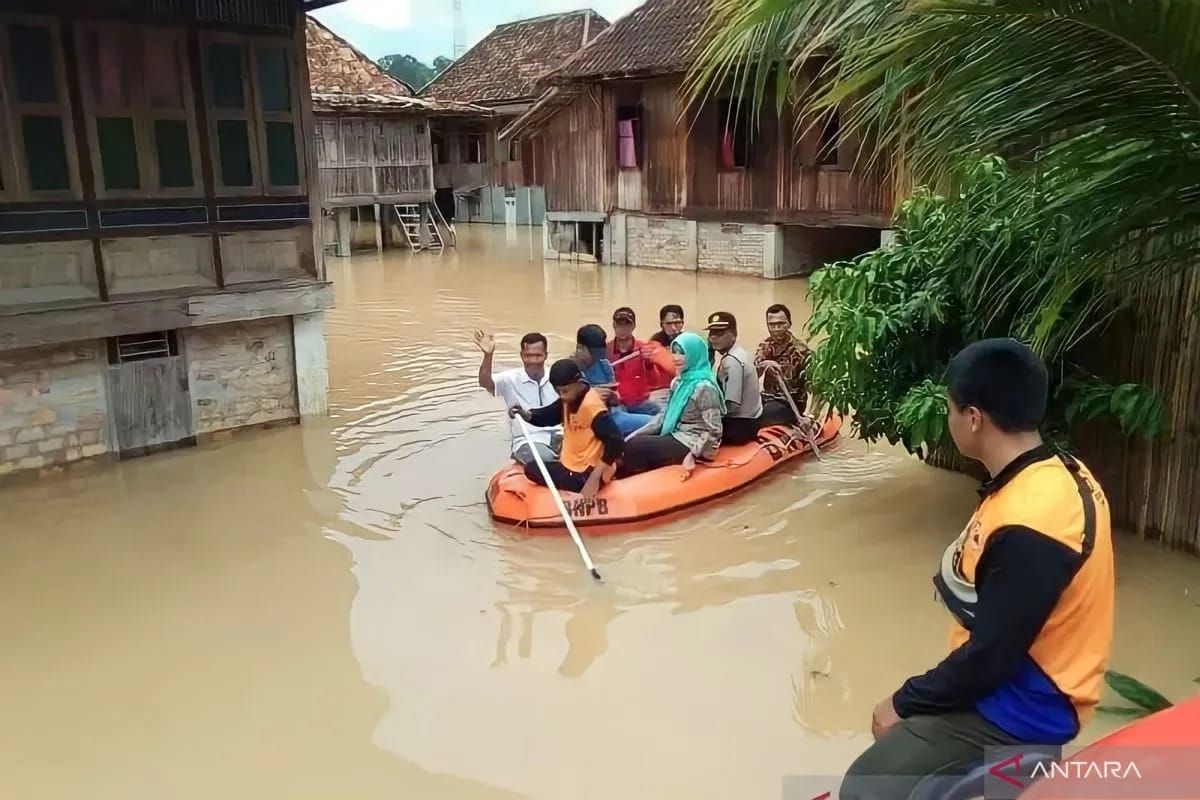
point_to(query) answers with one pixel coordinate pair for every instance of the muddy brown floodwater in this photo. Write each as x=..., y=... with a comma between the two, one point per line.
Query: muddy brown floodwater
x=327, y=611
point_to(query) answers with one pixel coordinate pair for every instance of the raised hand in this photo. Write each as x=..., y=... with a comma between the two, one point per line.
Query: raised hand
x=485, y=342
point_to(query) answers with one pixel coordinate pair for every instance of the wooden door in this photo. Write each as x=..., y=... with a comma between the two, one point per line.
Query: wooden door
x=148, y=387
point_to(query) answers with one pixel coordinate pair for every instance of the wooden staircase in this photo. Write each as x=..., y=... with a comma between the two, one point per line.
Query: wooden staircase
x=418, y=218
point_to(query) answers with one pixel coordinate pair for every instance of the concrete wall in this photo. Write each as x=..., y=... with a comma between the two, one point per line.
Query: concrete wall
x=768, y=251
x=805, y=249
x=241, y=374
x=663, y=242
x=53, y=406
x=730, y=247
x=530, y=199
x=312, y=364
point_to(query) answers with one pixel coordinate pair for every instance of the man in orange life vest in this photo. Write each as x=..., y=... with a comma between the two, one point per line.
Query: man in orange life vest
x=1029, y=582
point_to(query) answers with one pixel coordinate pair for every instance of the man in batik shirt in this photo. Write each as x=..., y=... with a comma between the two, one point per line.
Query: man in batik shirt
x=790, y=356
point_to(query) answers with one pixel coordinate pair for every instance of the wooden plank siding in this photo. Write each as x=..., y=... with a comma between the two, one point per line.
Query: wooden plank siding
x=665, y=146
x=142, y=167
x=679, y=171
x=373, y=160
x=1154, y=487
x=578, y=153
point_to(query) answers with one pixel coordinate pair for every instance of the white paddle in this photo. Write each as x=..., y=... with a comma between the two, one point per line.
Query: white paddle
x=558, y=501
x=624, y=358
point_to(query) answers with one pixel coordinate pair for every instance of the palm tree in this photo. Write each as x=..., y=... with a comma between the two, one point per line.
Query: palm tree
x=1099, y=99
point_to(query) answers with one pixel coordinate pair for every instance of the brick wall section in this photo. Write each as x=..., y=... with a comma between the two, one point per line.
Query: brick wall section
x=53, y=406
x=241, y=374
x=658, y=242
x=730, y=247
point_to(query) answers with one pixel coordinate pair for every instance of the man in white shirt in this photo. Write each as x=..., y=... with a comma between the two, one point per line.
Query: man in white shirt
x=527, y=386
x=738, y=378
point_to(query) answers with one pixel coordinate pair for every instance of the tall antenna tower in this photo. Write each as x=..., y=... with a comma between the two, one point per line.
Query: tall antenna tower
x=460, y=31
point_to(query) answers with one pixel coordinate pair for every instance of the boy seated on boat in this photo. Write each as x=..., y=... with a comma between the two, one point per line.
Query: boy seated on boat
x=591, y=354
x=591, y=441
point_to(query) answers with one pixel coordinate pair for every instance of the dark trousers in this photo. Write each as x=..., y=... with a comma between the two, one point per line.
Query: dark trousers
x=649, y=451
x=563, y=478
x=777, y=412
x=740, y=430
x=920, y=746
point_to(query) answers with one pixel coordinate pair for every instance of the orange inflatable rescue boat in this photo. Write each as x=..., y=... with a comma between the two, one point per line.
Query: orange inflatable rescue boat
x=513, y=498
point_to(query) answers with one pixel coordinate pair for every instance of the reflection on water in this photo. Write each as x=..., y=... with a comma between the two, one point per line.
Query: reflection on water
x=327, y=610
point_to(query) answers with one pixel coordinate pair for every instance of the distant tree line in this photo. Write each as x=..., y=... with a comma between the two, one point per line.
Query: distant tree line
x=411, y=70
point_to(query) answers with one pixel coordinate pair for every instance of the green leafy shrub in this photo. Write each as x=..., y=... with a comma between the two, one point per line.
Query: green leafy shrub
x=975, y=265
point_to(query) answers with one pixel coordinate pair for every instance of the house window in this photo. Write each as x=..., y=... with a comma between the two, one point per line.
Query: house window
x=474, y=149
x=251, y=90
x=734, y=151
x=137, y=98
x=831, y=139
x=40, y=139
x=438, y=145
x=629, y=137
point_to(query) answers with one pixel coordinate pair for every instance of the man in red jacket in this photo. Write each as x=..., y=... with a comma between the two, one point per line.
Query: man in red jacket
x=643, y=366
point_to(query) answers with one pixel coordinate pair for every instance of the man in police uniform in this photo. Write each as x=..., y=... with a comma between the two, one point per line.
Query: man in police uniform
x=1029, y=583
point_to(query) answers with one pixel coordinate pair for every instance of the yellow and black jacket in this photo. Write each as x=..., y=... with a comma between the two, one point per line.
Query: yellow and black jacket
x=1030, y=582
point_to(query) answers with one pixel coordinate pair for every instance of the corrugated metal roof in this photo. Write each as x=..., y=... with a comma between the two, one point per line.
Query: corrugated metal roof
x=660, y=37
x=508, y=62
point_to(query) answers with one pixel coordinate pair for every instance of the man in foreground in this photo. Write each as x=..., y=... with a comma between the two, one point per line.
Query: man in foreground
x=738, y=379
x=526, y=386
x=1029, y=583
x=591, y=442
x=782, y=352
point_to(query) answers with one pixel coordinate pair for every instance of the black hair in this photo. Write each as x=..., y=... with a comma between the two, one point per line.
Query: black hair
x=532, y=339
x=670, y=308
x=564, y=372
x=1002, y=378
x=781, y=308
x=593, y=337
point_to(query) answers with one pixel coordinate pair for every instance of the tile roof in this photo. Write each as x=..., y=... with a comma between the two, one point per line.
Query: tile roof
x=508, y=62
x=336, y=67
x=367, y=103
x=656, y=38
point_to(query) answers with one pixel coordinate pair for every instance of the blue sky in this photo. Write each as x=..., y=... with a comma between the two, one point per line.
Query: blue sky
x=423, y=27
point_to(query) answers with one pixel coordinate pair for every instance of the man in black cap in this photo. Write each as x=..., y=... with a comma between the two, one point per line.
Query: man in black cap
x=591, y=441
x=640, y=367
x=738, y=378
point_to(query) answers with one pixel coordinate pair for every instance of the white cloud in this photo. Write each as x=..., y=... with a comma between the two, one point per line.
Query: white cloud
x=387, y=14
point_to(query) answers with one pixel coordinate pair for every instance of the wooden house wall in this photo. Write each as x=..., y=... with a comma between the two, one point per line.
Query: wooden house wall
x=679, y=171
x=578, y=149
x=1153, y=487
x=452, y=169
x=136, y=194
x=376, y=159
x=498, y=168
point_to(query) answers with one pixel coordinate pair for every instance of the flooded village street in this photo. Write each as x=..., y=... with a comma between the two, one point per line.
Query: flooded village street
x=326, y=610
